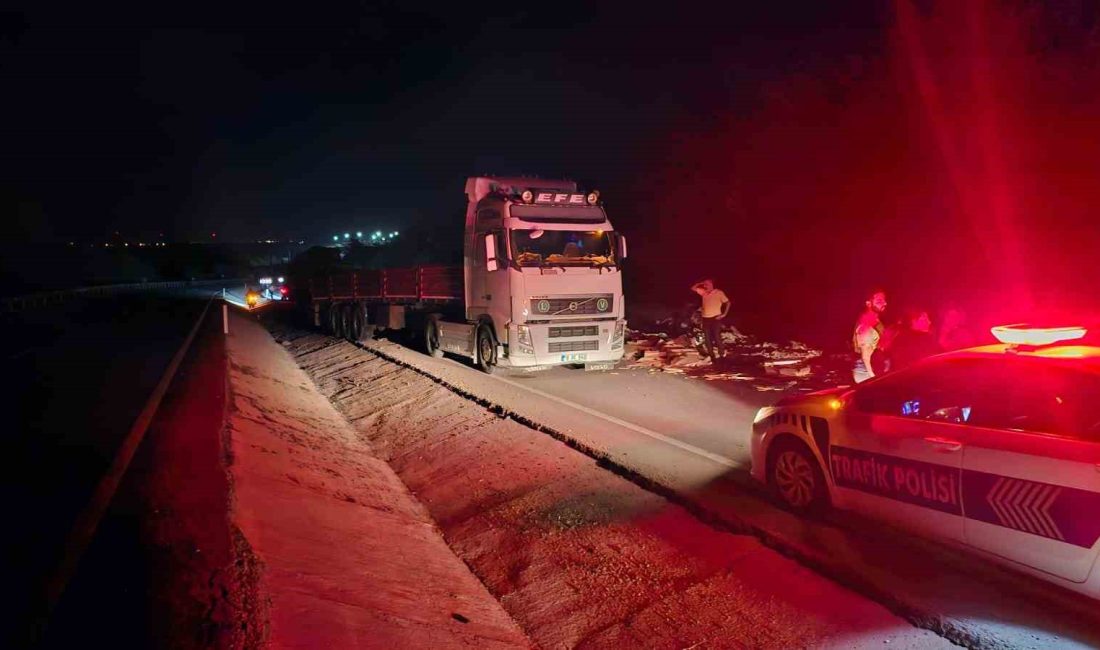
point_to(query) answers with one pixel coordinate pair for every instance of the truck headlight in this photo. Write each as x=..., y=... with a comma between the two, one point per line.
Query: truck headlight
x=618, y=335
x=523, y=339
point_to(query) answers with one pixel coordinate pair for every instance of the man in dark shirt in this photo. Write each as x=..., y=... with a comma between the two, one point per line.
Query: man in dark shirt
x=914, y=342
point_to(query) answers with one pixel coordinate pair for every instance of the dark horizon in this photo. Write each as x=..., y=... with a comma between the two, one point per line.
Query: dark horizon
x=800, y=154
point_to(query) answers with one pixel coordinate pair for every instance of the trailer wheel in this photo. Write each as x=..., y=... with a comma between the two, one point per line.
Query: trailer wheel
x=332, y=320
x=358, y=323
x=338, y=321
x=431, y=336
x=486, y=349
x=345, y=322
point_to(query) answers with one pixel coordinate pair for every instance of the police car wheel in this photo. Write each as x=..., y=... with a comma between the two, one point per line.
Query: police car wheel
x=796, y=479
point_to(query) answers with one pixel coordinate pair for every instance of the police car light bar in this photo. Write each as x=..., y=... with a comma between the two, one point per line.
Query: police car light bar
x=1022, y=334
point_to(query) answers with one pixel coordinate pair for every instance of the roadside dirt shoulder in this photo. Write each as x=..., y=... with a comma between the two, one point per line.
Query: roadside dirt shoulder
x=350, y=559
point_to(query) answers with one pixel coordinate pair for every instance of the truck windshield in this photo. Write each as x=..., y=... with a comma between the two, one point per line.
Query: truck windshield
x=561, y=248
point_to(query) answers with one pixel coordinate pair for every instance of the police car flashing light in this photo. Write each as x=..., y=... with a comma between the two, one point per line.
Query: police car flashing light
x=992, y=452
x=1026, y=335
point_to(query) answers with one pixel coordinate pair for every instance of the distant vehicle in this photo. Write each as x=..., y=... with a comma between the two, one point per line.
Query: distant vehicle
x=275, y=289
x=541, y=283
x=995, y=448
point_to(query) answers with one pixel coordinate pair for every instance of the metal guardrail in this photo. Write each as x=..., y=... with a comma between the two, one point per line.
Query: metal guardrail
x=46, y=298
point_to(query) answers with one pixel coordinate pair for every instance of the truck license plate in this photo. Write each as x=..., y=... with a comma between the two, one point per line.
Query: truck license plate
x=568, y=357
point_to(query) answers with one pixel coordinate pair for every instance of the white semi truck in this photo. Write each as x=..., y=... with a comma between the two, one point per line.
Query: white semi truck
x=540, y=284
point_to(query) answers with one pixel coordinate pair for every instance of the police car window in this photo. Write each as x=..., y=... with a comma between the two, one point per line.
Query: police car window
x=1043, y=399
x=948, y=391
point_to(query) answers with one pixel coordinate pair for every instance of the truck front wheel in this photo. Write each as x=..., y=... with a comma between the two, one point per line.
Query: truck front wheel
x=486, y=349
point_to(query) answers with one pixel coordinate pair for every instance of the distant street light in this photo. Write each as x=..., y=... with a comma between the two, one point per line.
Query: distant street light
x=336, y=238
x=347, y=235
x=358, y=234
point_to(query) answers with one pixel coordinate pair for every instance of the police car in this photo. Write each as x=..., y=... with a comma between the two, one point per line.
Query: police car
x=996, y=448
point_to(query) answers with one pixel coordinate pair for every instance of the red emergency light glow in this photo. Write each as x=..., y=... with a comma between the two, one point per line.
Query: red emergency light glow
x=283, y=290
x=1022, y=334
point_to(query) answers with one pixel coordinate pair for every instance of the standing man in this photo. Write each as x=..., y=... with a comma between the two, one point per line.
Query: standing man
x=866, y=337
x=715, y=307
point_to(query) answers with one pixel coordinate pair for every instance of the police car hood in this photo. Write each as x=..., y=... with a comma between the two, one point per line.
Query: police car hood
x=817, y=397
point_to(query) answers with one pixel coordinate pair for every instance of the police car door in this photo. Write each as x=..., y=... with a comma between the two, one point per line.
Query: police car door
x=1031, y=475
x=900, y=455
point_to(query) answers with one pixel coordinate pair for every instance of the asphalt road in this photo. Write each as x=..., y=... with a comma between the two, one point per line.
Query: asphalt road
x=77, y=377
x=721, y=412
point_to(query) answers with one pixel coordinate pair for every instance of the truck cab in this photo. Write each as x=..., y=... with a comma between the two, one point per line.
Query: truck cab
x=543, y=272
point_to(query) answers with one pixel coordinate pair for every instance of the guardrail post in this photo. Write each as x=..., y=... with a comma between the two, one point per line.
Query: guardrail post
x=225, y=317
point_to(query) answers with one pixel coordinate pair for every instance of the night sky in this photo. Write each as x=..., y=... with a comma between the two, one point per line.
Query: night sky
x=270, y=121
x=801, y=152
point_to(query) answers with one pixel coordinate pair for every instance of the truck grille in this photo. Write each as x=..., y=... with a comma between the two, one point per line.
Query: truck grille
x=574, y=346
x=564, y=332
x=599, y=304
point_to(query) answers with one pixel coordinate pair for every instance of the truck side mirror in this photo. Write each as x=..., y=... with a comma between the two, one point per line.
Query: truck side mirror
x=622, y=246
x=491, y=252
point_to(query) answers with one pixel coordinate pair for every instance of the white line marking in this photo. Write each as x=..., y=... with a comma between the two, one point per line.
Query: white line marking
x=717, y=458
x=86, y=524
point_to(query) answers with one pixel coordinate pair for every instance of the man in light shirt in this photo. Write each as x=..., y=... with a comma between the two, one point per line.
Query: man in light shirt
x=867, y=336
x=715, y=307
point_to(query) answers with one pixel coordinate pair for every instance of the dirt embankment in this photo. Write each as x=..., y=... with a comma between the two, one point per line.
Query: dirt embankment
x=350, y=558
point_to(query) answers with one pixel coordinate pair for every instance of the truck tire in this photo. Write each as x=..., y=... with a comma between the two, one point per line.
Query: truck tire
x=332, y=319
x=345, y=322
x=338, y=321
x=485, y=349
x=358, y=323
x=431, y=337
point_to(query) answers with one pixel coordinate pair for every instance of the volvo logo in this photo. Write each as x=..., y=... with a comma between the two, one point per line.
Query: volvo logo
x=601, y=304
x=573, y=306
x=544, y=306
